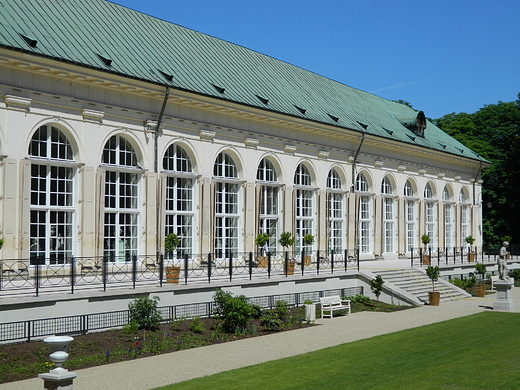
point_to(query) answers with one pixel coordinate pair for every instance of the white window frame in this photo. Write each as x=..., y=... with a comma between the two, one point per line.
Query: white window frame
x=179, y=198
x=388, y=216
x=304, y=207
x=268, y=222
x=227, y=206
x=122, y=200
x=52, y=201
x=410, y=217
x=335, y=212
x=365, y=215
x=430, y=218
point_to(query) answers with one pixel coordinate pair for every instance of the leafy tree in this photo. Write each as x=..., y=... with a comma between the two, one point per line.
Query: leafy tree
x=144, y=312
x=493, y=132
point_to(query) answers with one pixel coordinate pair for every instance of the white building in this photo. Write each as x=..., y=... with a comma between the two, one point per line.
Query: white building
x=117, y=128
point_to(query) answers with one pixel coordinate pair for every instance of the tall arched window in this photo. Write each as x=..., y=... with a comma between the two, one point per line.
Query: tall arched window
x=179, y=197
x=52, y=196
x=304, y=207
x=430, y=214
x=410, y=204
x=121, y=199
x=464, y=218
x=335, y=213
x=365, y=214
x=227, y=210
x=268, y=199
x=448, y=218
x=388, y=216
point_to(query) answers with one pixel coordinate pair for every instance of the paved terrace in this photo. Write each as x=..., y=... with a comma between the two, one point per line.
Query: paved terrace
x=151, y=372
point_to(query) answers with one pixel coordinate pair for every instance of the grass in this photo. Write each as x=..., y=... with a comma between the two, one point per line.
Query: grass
x=474, y=352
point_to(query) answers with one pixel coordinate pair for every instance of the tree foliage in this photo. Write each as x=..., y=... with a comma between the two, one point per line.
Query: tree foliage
x=493, y=132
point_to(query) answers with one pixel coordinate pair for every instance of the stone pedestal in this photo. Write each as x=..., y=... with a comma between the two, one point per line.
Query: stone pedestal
x=58, y=379
x=503, y=301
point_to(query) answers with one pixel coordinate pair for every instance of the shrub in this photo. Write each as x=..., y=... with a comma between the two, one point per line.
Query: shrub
x=465, y=284
x=359, y=298
x=271, y=320
x=514, y=273
x=144, y=312
x=376, y=285
x=196, y=325
x=235, y=312
x=281, y=308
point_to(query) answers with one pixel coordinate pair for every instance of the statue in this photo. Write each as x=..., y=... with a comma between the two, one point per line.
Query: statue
x=502, y=262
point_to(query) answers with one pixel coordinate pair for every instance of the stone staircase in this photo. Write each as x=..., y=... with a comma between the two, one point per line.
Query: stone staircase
x=415, y=282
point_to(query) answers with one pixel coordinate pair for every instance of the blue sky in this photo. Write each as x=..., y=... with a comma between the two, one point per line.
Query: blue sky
x=441, y=56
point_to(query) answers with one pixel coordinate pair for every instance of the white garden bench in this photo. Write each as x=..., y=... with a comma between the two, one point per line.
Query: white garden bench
x=332, y=304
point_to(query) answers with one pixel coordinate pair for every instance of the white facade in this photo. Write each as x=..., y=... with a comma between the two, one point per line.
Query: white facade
x=77, y=174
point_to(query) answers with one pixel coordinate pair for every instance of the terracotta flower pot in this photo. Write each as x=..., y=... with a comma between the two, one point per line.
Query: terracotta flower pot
x=480, y=290
x=172, y=274
x=434, y=298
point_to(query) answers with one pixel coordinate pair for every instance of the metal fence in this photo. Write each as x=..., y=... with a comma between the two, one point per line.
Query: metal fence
x=452, y=256
x=100, y=273
x=82, y=324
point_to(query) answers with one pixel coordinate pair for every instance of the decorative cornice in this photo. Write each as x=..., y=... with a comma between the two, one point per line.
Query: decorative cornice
x=207, y=135
x=289, y=148
x=323, y=154
x=92, y=115
x=251, y=142
x=17, y=102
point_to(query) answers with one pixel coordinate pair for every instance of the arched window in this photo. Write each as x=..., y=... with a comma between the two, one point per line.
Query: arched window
x=52, y=207
x=388, y=216
x=304, y=207
x=465, y=230
x=411, y=229
x=268, y=199
x=335, y=213
x=449, y=218
x=430, y=214
x=179, y=197
x=227, y=210
x=365, y=214
x=122, y=178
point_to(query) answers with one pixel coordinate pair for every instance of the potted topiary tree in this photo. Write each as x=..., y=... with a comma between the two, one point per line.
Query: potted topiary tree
x=480, y=288
x=308, y=239
x=425, y=256
x=261, y=241
x=434, y=297
x=286, y=240
x=171, y=242
x=471, y=255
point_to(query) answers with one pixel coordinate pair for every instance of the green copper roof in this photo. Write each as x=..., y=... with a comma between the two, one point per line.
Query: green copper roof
x=112, y=38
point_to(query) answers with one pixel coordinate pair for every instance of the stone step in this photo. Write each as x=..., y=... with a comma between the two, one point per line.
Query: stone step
x=417, y=283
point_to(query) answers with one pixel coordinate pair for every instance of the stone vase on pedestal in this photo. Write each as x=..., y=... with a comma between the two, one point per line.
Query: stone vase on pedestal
x=58, y=378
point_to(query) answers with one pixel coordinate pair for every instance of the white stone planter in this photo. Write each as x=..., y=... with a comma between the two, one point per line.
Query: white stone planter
x=58, y=346
x=310, y=313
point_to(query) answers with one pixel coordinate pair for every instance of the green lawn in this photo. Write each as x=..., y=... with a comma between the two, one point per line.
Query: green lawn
x=481, y=351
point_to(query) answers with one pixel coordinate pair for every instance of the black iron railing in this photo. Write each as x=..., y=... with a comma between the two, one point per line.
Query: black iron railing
x=100, y=273
x=451, y=256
